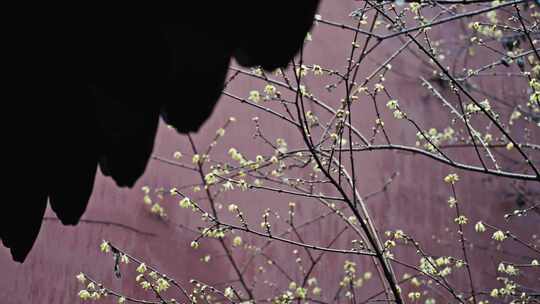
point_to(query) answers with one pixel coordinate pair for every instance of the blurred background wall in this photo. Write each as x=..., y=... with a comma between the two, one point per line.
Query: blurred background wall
x=415, y=201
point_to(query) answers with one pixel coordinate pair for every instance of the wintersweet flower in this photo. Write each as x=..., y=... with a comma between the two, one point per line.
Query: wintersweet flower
x=105, y=247
x=84, y=294
x=499, y=236
x=479, y=227
x=81, y=278
x=142, y=268
x=254, y=96
x=237, y=241
x=451, y=178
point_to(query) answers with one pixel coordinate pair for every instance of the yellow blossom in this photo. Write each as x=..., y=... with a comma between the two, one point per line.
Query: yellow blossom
x=499, y=236
x=452, y=202
x=301, y=71
x=479, y=227
x=81, y=277
x=451, y=178
x=414, y=296
x=461, y=220
x=228, y=292
x=185, y=203
x=105, y=247
x=511, y=270
x=124, y=259
x=270, y=90
x=233, y=208
x=157, y=209
x=220, y=132
x=392, y=104
x=301, y=292
x=415, y=7
x=141, y=268
x=84, y=294
x=399, y=114
x=237, y=241
x=254, y=96
x=317, y=70
x=145, y=285
x=162, y=284
x=501, y=268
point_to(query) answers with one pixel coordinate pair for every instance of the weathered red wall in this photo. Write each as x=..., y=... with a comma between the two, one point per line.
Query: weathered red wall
x=416, y=201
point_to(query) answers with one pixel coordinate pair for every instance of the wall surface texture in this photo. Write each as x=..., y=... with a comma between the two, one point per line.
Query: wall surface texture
x=415, y=201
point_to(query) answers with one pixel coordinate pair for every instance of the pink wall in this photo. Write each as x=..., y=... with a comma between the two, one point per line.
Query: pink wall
x=415, y=202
